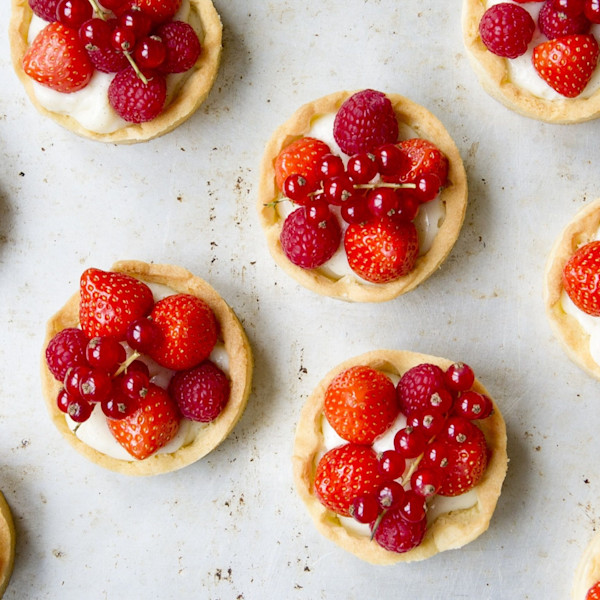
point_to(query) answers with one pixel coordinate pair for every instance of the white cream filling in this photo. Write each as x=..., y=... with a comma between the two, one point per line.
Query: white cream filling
x=522, y=72
x=436, y=506
x=90, y=106
x=95, y=431
x=428, y=221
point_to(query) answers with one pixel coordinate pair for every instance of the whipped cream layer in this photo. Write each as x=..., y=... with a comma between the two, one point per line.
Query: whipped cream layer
x=428, y=221
x=90, y=106
x=95, y=431
x=521, y=70
x=435, y=506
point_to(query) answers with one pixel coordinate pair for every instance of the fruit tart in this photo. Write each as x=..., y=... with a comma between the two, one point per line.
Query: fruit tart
x=119, y=71
x=399, y=456
x=539, y=58
x=146, y=369
x=571, y=294
x=586, y=582
x=362, y=195
x=7, y=544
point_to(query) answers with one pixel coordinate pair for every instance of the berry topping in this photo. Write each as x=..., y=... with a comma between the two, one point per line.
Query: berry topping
x=307, y=243
x=581, y=278
x=188, y=331
x=302, y=157
x=133, y=99
x=568, y=63
x=420, y=157
x=360, y=404
x=594, y=592
x=365, y=121
x=201, y=393
x=45, y=9
x=110, y=301
x=66, y=349
x=506, y=29
x=182, y=46
x=344, y=473
x=396, y=534
x=417, y=387
x=150, y=427
x=58, y=60
x=158, y=10
x=555, y=22
x=382, y=249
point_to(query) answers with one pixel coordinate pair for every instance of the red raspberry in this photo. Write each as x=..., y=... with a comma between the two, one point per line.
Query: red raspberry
x=365, y=121
x=107, y=59
x=506, y=29
x=66, y=349
x=45, y=9
x=555, y=23
x=134, y=100
x=396, y=534
x=201, y=393
x=416, y=387
x=182, y=46
x=308, y=244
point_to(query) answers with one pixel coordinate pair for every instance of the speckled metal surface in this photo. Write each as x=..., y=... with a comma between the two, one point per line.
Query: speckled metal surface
x=231, y=525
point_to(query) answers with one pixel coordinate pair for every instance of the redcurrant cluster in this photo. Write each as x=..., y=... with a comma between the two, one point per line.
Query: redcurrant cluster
x=98, y=370
x=575, y=8
x=363, y=188
x=429, y=452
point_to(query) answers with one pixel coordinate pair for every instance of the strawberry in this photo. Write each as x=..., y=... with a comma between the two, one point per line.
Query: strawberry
x=201, y=393
x=594, y=592
x=344, y=473
x=383, y=249
x=365, y=121
x=309, y=244
x=581, y=278
x=301, y=157
x=467, y=462
x=134, y=100
x=396, y=534
x=188, y=331
x=150, y=427
x=57, y=59
x=360, y=404
x=109, y=302
x=417, y=386
x=66, y=349
x=421, y=157
x=567, y=64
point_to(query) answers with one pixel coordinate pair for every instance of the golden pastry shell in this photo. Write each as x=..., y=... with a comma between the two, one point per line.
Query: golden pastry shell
x=454, y=196
x=449, y=530
x=7, y=544
x=240, y=372
x=192, y=94
x=573, y=338
x=492, y=72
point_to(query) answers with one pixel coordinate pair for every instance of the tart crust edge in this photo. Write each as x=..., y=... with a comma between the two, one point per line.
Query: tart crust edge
x=240, y=372
x=448, y=531
x=7, y=544
x=454, y=196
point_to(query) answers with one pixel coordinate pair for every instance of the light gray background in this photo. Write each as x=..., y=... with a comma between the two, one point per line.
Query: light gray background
x=231, y=526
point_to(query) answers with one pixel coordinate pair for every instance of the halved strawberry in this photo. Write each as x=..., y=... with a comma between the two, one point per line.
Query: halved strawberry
x=150, y=427
x=345, y=472
x=581, y=278
x=301, y=157
x=567, y=64
x=57, y=59
x=360, y=404
x=467, y=462
x=188, y=328
x=109, y=302
x=383, y=249
x=421, y=157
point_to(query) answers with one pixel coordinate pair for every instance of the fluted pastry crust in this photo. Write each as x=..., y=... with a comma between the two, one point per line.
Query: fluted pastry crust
x=191, y=95
x=449, y=530
x=454, y=197
x=7, y=544
x=240, y=372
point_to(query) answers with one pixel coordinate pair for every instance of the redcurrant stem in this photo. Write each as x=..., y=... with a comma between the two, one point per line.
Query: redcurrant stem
x=135, y=354
x=395, y=186
x=97, y=9
x=377, y=521
x=412, y=469
x=135, y=67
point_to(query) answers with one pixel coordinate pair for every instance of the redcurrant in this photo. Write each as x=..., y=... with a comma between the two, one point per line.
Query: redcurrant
x=412, y=507
x=365, y=509
x=142, y=335
x=410, y=442
x=105, y=353
x=330, y=165
x=391, y=464
x=473, y=405
x=390, y=159
x=390, y=494
x=382, y=201
x=426, y=481
x=361, y=168
x=79, y=410
x=459, y=377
